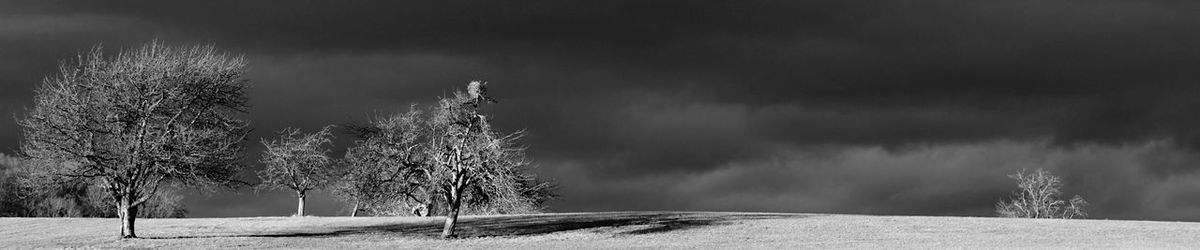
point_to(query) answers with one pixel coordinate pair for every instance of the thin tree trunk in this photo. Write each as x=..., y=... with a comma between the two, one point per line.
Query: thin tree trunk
x=300, y=204
x=431, y=205
x=128, y=215
x=354, y=213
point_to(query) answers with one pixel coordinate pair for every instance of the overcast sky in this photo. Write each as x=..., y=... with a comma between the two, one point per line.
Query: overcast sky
x=875, y=107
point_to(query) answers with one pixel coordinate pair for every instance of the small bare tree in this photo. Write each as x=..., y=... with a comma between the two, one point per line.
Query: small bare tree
x=145, y=118
x=1039, y=198
x=298, y=162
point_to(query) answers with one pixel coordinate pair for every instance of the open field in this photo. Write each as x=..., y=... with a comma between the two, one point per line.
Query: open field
x=605, y=230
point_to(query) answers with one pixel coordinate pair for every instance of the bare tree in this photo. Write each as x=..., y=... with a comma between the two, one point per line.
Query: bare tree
x=298, y=162
x=448, y=162
x=467, y=159
x=1039, y=198
x=386, y=163
x=139, y=120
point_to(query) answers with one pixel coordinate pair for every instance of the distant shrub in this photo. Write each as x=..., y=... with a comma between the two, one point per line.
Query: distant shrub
x=11, y=198
x=1039, y=198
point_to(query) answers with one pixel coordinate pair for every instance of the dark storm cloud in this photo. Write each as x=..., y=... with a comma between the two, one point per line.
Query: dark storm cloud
x=946, y=179
x=913, y=107
x=34, y=43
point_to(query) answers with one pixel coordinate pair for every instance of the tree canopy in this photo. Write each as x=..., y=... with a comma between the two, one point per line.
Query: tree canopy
x=144, y=118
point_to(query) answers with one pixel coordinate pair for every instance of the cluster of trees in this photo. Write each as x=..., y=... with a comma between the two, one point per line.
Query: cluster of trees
x=1039, y=197
x=127, y=131
x=445, y=160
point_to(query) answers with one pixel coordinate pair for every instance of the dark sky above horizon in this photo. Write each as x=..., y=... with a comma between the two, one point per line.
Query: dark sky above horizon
x=877, y=107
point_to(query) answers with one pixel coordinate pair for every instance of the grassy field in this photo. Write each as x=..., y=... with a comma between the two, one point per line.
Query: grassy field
x=605, y=230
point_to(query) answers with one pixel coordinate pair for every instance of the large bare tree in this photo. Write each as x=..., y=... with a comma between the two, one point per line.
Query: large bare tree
x=441, y=162
x=298, y=162
x=142, y=119
x=467, y=159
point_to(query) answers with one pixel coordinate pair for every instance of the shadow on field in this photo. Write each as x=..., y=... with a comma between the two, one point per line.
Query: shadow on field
x=520, y=225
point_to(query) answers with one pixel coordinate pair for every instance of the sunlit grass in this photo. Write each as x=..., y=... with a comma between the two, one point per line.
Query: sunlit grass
x=604, y=230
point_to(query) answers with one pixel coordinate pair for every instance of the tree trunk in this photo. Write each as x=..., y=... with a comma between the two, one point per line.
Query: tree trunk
x=300, y=204
x=354, y=213
x=430, y=208
x=451, y=220
x=452, y=216
x=431, y=205
x=128, y=214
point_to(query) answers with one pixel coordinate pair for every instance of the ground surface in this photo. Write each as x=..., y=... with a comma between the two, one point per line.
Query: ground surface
x=653, y=230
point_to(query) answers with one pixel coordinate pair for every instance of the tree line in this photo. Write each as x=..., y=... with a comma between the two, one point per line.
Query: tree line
x=127, y=131
x=22, y=196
